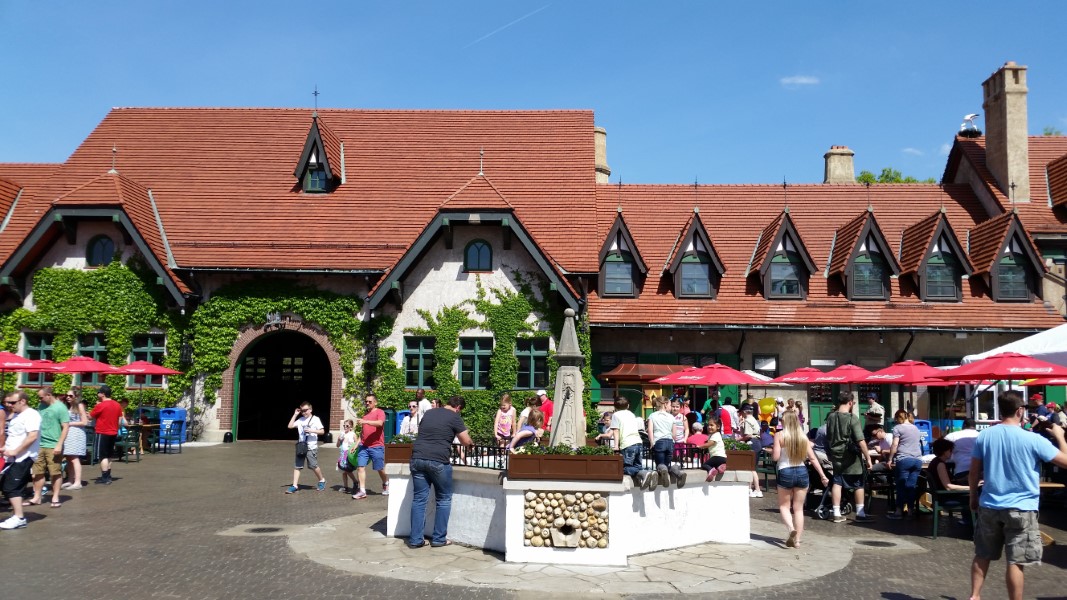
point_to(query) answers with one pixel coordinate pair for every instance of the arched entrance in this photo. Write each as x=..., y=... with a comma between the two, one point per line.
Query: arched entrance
x=272, y=377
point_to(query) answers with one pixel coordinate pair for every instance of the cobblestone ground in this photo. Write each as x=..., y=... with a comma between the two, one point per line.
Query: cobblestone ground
x=154, y=534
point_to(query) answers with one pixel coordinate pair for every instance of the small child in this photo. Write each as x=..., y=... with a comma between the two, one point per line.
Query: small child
x=530, y=433
x=716, y=463
x=346, y=441
x=505, y=421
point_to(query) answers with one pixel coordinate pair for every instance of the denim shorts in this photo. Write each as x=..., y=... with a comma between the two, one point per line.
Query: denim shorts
x=375, y=455
x=793, y=477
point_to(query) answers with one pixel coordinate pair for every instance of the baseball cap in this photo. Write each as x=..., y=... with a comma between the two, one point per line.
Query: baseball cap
x=1037, y=396
x=542, y=393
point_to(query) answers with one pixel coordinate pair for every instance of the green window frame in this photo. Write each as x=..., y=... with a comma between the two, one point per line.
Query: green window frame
x=532, y=354
x=695, y=276
x=475, y=354
x=478, y=256
x=786, y=276
x=149, y=347
x=869, y=274
x=37, y=346
x=942, y=277
x=100, y=251
x=93, y=345
x=619, y=274
x=1012, y=282
x=419, y=362
x=315, y=181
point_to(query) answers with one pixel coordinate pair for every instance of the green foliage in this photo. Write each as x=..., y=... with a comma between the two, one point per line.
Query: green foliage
x=402, y=438
x=732, y=444
x=217, y=323
x=1049, y=130
x=119, y=300
x=890, y=175
x=565, y=450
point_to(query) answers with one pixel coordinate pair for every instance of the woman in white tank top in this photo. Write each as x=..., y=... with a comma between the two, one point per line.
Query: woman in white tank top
x=791, y=448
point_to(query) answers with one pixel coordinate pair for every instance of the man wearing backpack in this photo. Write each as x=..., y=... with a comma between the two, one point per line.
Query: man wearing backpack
x=846, y=448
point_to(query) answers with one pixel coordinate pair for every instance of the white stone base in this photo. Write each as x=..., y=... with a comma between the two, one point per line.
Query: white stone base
x=487, y=513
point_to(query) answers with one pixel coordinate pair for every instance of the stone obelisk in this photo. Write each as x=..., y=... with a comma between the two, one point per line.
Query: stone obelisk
x=568, y=420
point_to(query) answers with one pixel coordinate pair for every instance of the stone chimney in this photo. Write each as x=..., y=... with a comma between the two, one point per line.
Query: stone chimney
x=600, y=137
x=839, y=168
x=1006, y=153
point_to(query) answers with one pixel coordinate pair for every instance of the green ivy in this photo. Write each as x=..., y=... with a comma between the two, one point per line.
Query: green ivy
x=217, y=323
x=119, y=300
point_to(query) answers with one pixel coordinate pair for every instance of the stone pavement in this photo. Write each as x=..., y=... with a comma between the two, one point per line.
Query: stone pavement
x=213, y=522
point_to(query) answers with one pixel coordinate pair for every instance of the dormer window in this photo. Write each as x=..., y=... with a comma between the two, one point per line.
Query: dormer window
x=788, y=277
x=621, y=267
x=943, y=273
x=1012, y=281
x=321, y=164
x=696, y=268
x=315, y=179
x=870, y=273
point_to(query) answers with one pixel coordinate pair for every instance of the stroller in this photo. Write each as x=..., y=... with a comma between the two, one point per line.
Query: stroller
x=819, y=499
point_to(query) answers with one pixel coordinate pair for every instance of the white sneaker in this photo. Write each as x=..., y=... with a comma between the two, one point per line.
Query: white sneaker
x=752, y=493
x=13, y=522
x=756, y=494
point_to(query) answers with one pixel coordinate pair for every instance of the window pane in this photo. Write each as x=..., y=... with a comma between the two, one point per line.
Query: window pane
x=618, y=278
x=868, y=280
x=940, y=281
x=1012, y=280
x=696, y=279
x=38, y=346
x=785, y=279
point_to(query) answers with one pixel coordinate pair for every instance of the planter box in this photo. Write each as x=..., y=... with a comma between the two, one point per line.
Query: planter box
x=740, y=460
x=565, y=468
x=398, y=453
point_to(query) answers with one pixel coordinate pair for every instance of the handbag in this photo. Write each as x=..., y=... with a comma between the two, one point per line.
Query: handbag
x=301, y=448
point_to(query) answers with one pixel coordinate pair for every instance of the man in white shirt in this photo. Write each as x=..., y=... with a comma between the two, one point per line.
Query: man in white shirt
x=20, y=450
x=308, y=429
x=961, y=453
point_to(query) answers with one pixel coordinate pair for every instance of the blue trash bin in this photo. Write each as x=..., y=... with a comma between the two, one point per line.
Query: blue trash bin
x=926, y=433
x=400, y=416
x=167, y=415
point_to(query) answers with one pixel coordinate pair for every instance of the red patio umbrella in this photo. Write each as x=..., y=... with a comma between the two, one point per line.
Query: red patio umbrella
x=83, y=364
x=1006, y=365
x=843, y=374
x=908, y=372
x=1047, y=381
x=12, y=362
x=143, y=367
x=716, y=374
x=802, y=376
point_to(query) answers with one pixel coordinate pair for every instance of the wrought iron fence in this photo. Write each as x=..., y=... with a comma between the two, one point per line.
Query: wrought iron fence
x=483, y=457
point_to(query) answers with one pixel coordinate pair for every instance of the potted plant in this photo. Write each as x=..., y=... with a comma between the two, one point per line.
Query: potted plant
x=398, y=449
x=564, y=463
x=739, y=455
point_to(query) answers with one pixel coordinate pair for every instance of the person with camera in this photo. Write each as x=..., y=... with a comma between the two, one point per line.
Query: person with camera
x=1008, y=460
x=308, y=429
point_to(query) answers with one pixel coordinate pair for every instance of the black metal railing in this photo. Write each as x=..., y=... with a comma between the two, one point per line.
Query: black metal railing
x=479, y=456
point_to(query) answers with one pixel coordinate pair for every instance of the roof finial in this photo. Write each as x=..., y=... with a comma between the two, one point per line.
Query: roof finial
x=1012, y=186
x=620, y=195
x=114, y=157
x=316, y=94
x=481, y=161
x=785, y=193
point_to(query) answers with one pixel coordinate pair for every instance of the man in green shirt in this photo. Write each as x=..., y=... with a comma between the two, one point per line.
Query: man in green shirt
x=55, y=421
x=846, y=448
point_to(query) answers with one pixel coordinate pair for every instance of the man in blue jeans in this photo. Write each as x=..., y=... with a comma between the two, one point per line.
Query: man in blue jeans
x=430, y=466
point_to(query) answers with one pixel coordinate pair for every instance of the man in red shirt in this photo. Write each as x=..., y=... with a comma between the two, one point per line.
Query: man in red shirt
x=371, y=446
x=547, y=408
x=107, y=413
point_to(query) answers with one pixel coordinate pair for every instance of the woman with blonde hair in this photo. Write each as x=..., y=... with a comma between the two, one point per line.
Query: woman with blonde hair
x=791, y=447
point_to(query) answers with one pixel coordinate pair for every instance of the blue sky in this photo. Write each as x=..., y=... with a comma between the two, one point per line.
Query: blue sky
x=739, y=92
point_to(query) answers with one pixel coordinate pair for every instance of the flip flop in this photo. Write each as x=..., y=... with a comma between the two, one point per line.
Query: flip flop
x=57, y=504
x=31, y=503
x=447, y=543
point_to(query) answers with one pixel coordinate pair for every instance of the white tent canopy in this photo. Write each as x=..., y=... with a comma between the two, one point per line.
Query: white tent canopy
x=1049, y=345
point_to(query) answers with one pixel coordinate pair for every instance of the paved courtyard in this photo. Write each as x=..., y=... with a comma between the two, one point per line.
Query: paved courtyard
x=213, y=522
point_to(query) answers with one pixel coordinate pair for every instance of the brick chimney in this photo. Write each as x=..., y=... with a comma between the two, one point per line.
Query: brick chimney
x=839, y=168
x=600, y=137
x=1006, y=153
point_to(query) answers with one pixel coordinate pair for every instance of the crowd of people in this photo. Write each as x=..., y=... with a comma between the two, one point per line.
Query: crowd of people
x=45, y=445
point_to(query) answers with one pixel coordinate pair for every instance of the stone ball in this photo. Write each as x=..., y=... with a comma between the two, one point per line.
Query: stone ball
x=542, y=522
x=602, y=527
x=596, y=534
x=528, y=526
x=541, y=495
x=583, y=506
x=526, y=543
x=588, y=497
x=529, y=512
x=559, y=522
x=573, y=523
x=596, y=496
x=537, y=542
x=558, y=512
x=585, y=533
x=528, y=535
x=599, y=505
x=554, y=503
x=567, y=514
x=568, y=313
x=546, y=533
x=569, y=499
x=530, y=496
x=548, y=542
x=602, y=542
x=558, y=495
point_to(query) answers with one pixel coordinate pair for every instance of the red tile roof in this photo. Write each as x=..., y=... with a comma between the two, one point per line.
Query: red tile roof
x=222, y=180
x=986, y=240
x=656, y=213
x=915, y=241
x=332, y=146
x=763, y=243
x=845, y=241
x=477, y=194
x=1057, y=181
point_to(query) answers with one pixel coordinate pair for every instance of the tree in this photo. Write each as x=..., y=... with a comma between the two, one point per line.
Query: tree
x=1050, y=130
x=890, y=175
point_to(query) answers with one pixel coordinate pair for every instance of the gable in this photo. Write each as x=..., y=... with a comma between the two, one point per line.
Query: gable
x=787, y=239
x=694, y=238
x=619, y=239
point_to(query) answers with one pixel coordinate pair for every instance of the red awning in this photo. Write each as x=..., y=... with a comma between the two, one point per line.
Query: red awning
x=639, y=372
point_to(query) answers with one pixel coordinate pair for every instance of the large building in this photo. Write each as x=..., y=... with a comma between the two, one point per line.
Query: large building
x=281, y=255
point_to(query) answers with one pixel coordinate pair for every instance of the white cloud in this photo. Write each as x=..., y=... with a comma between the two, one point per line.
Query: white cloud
x=796, y=81
x=945, y=148
x=912, y=151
